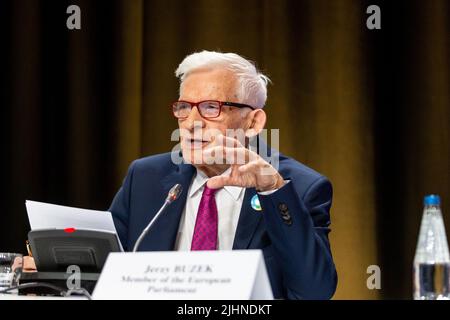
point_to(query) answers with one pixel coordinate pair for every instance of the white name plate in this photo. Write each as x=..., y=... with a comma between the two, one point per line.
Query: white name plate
x=185, y=275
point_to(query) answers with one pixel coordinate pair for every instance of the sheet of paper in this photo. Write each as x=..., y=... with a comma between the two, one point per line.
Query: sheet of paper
x=50, y=216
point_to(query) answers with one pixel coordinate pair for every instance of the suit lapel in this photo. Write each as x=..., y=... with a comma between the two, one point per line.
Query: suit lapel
x=168, y=223
x=249, y=219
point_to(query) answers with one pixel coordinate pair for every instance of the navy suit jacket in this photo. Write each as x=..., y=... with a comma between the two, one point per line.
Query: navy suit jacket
x=292, y=228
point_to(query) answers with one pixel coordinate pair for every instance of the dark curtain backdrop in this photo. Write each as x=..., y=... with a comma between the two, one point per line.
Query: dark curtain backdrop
x=369, y=109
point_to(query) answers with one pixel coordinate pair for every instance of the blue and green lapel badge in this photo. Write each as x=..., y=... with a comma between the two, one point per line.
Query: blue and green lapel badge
x=255, y=203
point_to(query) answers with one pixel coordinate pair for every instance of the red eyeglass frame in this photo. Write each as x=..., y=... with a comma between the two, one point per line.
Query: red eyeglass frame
x=221, y=103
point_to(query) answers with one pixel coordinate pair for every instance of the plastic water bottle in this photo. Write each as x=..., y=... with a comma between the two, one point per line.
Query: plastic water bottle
x=432, y=262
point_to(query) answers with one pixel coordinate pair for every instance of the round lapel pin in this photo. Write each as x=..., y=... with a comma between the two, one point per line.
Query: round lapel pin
x=255, y=203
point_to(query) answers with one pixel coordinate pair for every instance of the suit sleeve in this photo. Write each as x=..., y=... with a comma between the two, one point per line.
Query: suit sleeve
x=298, y=228
x=120, y=207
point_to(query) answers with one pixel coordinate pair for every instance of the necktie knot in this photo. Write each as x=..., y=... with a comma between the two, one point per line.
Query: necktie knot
x=208, y=191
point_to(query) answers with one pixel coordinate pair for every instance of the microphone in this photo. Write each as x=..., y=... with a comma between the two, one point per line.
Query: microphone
x=173, y=195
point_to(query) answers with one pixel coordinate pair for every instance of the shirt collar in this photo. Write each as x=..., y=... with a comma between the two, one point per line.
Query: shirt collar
x=201, y=178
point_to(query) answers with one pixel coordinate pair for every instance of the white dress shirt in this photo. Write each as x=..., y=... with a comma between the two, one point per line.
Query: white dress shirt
x=229, y=202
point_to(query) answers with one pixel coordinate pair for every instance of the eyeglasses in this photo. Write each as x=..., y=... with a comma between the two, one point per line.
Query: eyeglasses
x=207, y=109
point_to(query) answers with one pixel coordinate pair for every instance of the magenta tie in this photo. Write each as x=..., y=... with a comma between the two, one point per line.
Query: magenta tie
x=205, y=231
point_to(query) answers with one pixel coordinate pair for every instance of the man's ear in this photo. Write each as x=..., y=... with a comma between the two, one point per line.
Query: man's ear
x=257, y=120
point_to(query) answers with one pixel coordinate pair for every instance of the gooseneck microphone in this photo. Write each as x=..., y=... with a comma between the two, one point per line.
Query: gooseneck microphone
x=173, y=195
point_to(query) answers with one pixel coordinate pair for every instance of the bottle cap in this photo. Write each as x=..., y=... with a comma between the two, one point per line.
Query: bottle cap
x=432, y=200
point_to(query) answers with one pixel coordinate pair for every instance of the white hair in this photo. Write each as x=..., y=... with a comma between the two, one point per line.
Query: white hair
x=251, y=84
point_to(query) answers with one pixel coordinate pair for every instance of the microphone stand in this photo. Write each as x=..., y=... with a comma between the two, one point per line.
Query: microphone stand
x=173, y=195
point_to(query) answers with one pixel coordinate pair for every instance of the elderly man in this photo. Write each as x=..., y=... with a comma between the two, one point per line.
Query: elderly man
x=230, y=204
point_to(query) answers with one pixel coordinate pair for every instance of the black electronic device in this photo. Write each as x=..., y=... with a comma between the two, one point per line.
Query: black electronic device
x=58, y=252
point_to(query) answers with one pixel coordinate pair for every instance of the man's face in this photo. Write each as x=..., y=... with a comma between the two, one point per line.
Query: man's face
x=197, y=132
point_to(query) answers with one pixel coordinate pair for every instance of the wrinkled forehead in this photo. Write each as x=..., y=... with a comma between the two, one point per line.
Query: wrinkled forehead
x=209, y=84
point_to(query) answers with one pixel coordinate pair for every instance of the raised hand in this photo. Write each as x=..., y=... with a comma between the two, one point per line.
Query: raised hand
x=248, y=169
